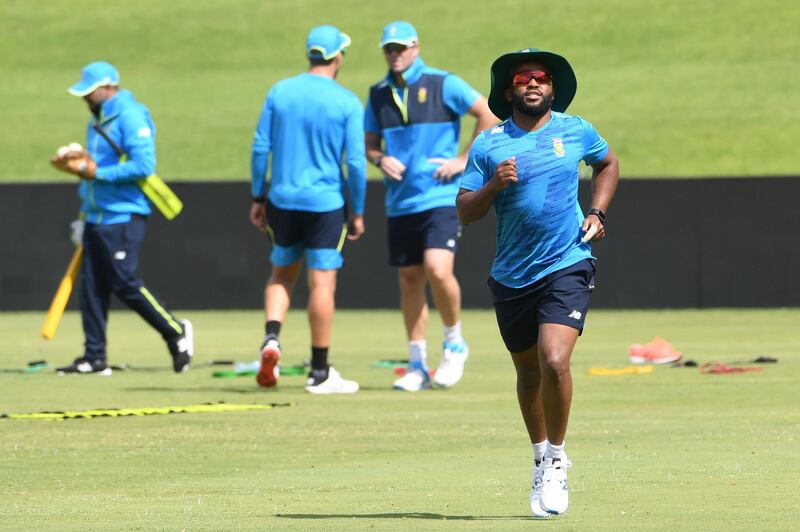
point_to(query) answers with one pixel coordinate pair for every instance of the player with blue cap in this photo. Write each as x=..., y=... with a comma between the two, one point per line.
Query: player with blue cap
x=413, y=123
x=310, y=126
x=120, y=154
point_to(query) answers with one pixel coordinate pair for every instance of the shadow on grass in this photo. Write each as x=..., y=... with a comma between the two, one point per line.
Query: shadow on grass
x=409, y=515
x=245, y=389
x=230, y=389
x=377, y=389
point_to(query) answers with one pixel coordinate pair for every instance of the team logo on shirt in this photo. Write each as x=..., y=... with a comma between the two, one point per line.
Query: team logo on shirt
x=558, y=147
x=422, y=95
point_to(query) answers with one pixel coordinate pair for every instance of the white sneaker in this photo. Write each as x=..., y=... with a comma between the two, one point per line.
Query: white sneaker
x=555, y=494
x=451, y=368
x=182, y=351
x=333, y=384
x=186, y=341
x=536, y=493
x=416, y=378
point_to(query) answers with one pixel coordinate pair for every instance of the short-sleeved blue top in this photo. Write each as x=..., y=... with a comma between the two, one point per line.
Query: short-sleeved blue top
x=538, y=218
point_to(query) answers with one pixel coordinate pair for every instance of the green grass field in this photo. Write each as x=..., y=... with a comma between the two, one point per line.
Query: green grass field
x=673, y=450
x=680, y=88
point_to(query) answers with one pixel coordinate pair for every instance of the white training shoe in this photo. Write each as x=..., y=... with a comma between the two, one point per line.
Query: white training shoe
x=416, y=378
x=555, y=494
x=451, y=368
x=536, y=492
x=182, y=350
x=186, y=341
x=333, y=384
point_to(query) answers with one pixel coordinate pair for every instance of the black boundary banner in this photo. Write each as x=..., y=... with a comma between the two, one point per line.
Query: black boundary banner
x=672, y=243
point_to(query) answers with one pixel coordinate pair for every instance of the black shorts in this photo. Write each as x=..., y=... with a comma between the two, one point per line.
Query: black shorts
x=412, y=234
x=561, y=297
x=320, y=235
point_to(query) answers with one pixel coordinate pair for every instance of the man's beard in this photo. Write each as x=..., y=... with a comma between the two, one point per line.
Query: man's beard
x=535, y=110
x=95, y=108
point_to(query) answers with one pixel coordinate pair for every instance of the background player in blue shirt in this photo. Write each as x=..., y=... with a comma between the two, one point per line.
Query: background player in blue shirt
x=309, y=124
x=120, y=151
x=543, y=272
x=412, y=124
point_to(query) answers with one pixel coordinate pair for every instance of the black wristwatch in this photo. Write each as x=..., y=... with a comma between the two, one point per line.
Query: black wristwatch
x=377, y=160
x=597, y=212
x=259, y=200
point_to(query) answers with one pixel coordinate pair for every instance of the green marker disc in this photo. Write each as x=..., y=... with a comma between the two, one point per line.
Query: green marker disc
x=227, y=374
x=32, y=368
x=390, y=363
x=293, y=370
x=286, y=371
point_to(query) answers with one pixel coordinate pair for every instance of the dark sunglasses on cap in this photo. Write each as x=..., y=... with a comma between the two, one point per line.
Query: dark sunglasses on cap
x=523, y=78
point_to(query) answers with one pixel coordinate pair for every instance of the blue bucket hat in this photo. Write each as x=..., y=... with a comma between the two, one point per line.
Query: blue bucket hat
x=399, y=32
x=94, y=75
x=325, y=42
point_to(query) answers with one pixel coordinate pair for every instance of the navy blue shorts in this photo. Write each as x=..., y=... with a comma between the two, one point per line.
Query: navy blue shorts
x=561, y=297
x=319, y=234
x=410, y=235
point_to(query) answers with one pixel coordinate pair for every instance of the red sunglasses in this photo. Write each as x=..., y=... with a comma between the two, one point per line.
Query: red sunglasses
x=523, y=78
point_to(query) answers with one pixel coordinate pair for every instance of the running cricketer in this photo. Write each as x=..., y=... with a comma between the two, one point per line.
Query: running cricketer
x=543, y=272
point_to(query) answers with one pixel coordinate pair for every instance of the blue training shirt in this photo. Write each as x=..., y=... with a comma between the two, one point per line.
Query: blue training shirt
x=419, y=122
x=539, y=218
x=113, y=195
x=309, y=124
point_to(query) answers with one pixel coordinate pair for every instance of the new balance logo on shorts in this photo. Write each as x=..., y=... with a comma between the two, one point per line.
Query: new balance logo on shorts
x=575, y=315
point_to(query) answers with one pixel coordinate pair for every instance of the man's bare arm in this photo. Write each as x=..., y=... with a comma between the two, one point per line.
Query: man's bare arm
x=472, y=205
x=605, y=176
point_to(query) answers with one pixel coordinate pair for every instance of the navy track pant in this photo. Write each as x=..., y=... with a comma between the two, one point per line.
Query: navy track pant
x=110, y=258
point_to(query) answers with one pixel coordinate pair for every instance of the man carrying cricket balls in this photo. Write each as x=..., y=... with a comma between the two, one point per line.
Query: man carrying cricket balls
x=120, y=154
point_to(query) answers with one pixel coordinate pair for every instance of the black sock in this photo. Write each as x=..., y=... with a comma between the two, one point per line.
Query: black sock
x=273, y=329
x=319, y=359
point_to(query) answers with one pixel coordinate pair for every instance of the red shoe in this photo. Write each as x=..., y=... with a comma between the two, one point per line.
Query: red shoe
x=270, y=371
x=659, y=351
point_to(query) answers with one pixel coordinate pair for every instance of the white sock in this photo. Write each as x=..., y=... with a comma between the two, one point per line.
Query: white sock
x=418, y=351
x=453, y=334
x=538, y=450
x=555, y=451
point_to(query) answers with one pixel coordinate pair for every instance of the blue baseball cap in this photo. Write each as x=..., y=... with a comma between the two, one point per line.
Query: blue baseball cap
x=399, y=32
x=325, y=42
x=97, y=74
